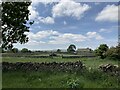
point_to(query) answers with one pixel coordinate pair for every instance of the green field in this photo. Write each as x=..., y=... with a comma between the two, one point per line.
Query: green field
x=85, y=79
x=89, y=62
x=43, y=79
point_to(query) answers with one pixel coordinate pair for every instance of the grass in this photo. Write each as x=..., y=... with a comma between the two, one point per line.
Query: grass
x=87, y=79
x=43, y=79
x=89, y=62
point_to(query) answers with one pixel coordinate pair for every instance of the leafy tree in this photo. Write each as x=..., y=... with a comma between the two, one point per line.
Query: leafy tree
x=15, y=50
x=113, y=52
x=24, y=50
x=118, y=51
x=101, y=50
x=58, y=50
x=15, y=17
x=71, y=48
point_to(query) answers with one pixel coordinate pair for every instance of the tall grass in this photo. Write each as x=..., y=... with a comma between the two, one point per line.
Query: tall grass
x=84, y=79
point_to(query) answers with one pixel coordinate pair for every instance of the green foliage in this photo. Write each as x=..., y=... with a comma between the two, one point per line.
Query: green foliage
x=101, y=50
x=15, y=50
x=15, y=16
x=75, y=83
x=24, y=50
x=113, y=52
x=58, y=50
x=71, y=48
x=58, y=80
x=103, y=47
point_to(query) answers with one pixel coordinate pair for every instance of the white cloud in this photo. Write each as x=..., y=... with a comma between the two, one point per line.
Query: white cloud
x=45, y=2
x=69, y=8
x=33, y=42
x=97, y=3
x=102, y=30
x=55, y=37
x=67, y=38
x=109, y=13
x=33, y=13
x=35, y=2
x=105, y=30
x=47, y=20
x=64, y=22
x=41, y=34
x=94, y=35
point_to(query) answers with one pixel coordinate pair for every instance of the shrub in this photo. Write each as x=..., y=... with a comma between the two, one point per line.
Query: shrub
x=53, y=54
x=75, y=83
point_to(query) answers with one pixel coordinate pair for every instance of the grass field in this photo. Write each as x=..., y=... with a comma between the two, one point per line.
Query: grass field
x=89, y=62
x=43, y=79
x=86, y=79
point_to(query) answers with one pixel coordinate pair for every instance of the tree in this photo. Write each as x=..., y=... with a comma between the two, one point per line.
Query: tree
x=113, y=52
x=58, y=50
x=15, y=50
x=15, y=17
x=101, y=50
x=24, y=50
x=71, y=48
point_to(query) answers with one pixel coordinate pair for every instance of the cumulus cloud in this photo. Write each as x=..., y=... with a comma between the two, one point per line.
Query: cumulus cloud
x=67, y=38
x=41, y=34
x=69, y=8
x=35, y=2
x=33, y=13
x=45, y=2
x=55, y=37
x=105, y=30
x=109, y=13
x=47, y=20
x=94, y=35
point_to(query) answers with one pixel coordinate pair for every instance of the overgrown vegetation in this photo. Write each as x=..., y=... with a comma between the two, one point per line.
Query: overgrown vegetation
x=86, y=79
x=105, y=52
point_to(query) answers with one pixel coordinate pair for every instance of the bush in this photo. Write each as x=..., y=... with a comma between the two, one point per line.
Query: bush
x=75, y=83
x=113, y=52
x=24, y=50
x=53, y=54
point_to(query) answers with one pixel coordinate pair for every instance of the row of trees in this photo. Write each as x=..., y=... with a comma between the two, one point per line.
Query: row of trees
x=102, y=51
x=15, y=50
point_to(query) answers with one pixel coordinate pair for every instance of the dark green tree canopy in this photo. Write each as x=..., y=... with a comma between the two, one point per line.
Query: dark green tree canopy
x=103, y=47
x=15, y=16
x=101, y=50
x=71, y=48
x=58, y=50
x=15, y=50
x=24, y=50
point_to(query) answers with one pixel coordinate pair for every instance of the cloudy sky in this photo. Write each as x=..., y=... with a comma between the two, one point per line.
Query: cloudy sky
x=59, y=24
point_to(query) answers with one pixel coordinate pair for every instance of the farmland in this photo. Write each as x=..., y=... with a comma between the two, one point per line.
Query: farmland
x=63, y=44
x=91, y=77
x=89, y=62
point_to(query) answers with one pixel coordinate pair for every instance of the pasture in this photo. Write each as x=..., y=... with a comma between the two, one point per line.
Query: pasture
x=89, y=62
x=89, y=78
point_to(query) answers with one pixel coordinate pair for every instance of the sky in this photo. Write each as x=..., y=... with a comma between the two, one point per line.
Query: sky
x=59, y=24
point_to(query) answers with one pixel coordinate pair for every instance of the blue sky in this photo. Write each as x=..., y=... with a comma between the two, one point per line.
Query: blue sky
x=59, y=24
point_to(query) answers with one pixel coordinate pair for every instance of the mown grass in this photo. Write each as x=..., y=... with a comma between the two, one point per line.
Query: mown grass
x=89, y=62
x=86, y=79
